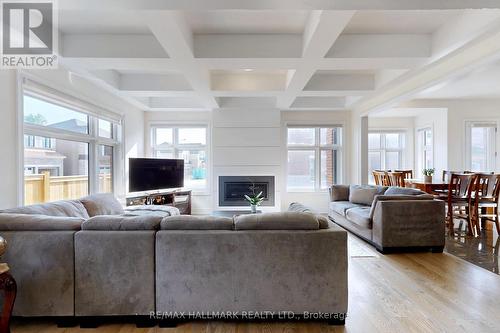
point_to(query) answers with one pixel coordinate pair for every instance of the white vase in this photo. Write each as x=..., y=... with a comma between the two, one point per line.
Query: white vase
x=253, y=208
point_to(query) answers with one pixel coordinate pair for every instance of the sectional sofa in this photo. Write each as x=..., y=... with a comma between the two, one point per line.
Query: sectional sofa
x=89, y=258
x=393, y=219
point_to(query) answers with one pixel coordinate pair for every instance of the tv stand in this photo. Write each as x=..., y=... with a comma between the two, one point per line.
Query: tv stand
x=180, y=199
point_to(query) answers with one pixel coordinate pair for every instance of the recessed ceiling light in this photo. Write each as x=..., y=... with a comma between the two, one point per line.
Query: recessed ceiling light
x=248, y=70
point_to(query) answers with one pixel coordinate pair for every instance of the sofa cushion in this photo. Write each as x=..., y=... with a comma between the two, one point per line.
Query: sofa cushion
x=35, y=222
x=69, y=208
x=157, y=210
x=340, y=207
x=394, y=190
x=189, y=222
x=298, y=207
x=323, y=221
x=339, y=193
x=360, y=216
x=102, y=204
x=117, y=222
x=364, y=194
x=276, y=221
x=386, y=197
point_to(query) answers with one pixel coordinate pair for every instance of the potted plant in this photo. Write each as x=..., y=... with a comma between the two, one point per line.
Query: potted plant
x=254, y=199
x=428, y=174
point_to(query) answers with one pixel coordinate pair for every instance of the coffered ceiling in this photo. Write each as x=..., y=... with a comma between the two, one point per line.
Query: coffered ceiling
x=164, y=59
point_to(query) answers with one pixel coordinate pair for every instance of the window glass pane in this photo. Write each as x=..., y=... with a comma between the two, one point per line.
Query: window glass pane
x=105, y=129
x=164, y=154
x=55, y=171
x=392, y=141
x=392, y=160
x=482, y=149
x=164, y=136
x=192, y=136
x=195, y=168
x=373, y=141
x=374, y=160
x=428, y=138
x=105, y=171
x=301, y=169
x=329, y=167
x=42, y=113
x=301, y=136
x=330, y=136
x=428, y=159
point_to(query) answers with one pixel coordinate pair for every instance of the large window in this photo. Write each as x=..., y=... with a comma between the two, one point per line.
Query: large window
x=385, y=151
x=481, y=146
x=425, y=151
x=188, y=143
x=68, y=153
x=314, y=157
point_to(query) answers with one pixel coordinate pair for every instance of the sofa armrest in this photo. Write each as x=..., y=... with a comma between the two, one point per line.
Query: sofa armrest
x=35, y=222
x=409, y=223
x=399, y=197
x=121, y=222
x=339, y=192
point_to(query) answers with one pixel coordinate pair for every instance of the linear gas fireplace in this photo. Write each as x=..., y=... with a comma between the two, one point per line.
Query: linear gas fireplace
x=232, y=189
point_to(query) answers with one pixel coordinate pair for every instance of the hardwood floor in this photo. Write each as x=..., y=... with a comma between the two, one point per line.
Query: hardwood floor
x=418, y=292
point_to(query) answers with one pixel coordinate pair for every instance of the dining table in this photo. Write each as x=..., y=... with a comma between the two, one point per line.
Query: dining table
x=428, y=187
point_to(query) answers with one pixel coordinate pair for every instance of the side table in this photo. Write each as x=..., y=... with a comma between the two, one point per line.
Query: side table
x=9, y=289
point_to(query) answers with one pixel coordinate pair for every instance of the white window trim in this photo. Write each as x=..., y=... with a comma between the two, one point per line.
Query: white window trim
x=52, y=95
x=317, y=154
x=420, y=156
x=186, y=124
x=467, y=144
x=402, y=151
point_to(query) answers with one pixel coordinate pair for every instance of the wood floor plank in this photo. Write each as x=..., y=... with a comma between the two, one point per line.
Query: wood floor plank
x=417, y=292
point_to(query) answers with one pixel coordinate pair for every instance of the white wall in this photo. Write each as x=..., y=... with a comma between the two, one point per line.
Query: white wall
x=70, y=84
x=252, y=142
x=9, y=170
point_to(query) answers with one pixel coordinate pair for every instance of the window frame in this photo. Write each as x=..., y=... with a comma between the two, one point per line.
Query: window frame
x=92, y=138
x=175, y=126
x=318, y=148
x=492, y=123
x=422, y=148
x=383, y=150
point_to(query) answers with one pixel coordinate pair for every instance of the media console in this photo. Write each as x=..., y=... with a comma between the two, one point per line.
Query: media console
x=180, y=199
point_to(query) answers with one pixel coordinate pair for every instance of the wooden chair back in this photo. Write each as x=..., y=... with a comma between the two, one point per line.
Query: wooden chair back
x=487, y=186
x=461, y=186
x=396, y=179
x=408, y=174
x=447, y=174
x=380, y=177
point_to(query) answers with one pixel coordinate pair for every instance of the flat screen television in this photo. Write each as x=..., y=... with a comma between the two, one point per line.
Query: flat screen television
x=146, y=174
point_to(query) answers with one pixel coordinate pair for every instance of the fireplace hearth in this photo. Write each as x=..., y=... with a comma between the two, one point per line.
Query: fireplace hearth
x=232, y=189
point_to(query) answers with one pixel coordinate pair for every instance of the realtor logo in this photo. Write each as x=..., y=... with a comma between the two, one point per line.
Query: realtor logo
x=29, y=34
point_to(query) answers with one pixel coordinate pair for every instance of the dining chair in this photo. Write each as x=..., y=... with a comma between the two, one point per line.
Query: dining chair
x=408, y=174
x=460, y=191
x=380, y=177
x=396, y=179
x=487, y=193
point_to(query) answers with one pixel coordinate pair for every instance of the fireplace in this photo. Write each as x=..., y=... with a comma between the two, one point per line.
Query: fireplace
x=232, y=189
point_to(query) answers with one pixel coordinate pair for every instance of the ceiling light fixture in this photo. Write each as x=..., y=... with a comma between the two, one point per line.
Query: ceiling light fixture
x=248, y=70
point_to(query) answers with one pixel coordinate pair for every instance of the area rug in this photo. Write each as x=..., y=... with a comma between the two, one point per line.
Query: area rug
x=357, y=249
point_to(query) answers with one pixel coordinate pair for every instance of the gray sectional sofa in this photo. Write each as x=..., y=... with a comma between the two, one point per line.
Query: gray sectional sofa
x=393, y=219
x=87, y=258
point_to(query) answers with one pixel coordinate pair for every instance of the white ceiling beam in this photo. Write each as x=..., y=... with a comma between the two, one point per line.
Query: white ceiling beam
x=327, y=81
x=322, y=30
x=473, y=54
x=175, y=36
x=277, y=4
